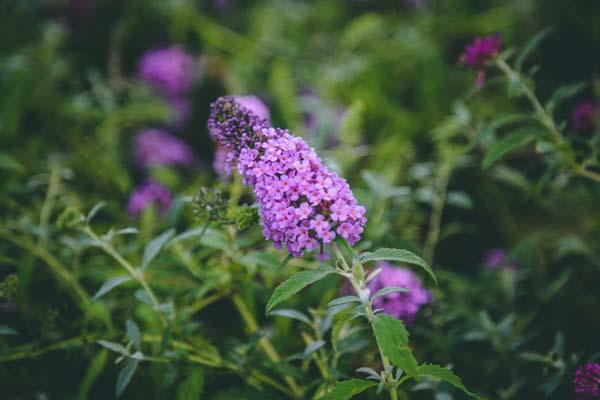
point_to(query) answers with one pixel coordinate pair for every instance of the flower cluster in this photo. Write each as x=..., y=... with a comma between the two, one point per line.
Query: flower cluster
x=221, y=164
x=476, y=54
x=584, y=116
x=481, y=50
x=149, y=193
x=154, y=147
x=402, y=305
x=587, y=382
x=303, y=205
x=170, y=71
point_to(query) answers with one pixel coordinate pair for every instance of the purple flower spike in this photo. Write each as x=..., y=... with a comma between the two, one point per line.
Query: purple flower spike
x=587, y=382
x=147, y=194
x=169, y=70
x=303, y=205
x=481, y=50
x=402, y=305
x=583, y=118
x=154, y=147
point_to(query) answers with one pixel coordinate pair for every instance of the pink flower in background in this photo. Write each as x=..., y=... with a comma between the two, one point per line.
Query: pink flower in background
x=587, y=382
x=583, y=118
x=402, y=305
x=153, y=147
x=287, y=177
x=169, y=70
x=149, y=193
x=482, y=49
x=498, y=258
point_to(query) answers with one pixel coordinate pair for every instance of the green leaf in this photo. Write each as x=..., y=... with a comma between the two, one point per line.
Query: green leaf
x=288, y=313
x=443, y=374
x=133, y=333
x=296, y=283
x=110, y=285
x=505, y=145
x=313, y=346
x=125, y=376
x=94, y=211
x=155, y=246
x=116, y=347
x=6, y=330
x=405, y=256
x=533, y=43
x=563, y=93
x=388, y=290
x=347, y=389
x=343, y=300
x=92, y=373
x=9, y=163
x=392, y=338
x=193, y=386
x=339, y=321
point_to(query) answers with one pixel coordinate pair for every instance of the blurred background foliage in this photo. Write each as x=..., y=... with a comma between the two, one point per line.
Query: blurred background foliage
x=374, y=85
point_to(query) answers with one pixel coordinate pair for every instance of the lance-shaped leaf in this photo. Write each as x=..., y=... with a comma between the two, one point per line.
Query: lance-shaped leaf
x=443, y=374
x=346, y=389
x=392, y=338
x=508, y=143
x=154, y=247
x=110, y=285
x=399, y=255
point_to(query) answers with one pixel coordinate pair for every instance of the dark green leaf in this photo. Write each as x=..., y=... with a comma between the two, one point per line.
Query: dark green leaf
x=563, y=93
x=110, y=285
x=155, y=246
x=193, y=386
x=508, y=143
x=296, y=283
x=125, y=376
x=443, y=374
x=392, y=338
x=339, y=321
x=9, y=163
x=533, y=43
x=94, y=370
x=133, y=333
x=347, y=389
x=405, y=256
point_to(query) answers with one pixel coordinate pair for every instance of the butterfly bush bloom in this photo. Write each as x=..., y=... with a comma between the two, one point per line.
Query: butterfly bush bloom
x=476, y=54
x=583, y=118
x=253, y=104
x=303, y=205
x=154, y=147
x=587, y=382
x=149, y=193
x=402, y=305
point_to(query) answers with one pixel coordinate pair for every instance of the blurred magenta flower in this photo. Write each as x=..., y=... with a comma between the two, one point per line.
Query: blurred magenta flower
x=303, y=205
x=170, y=70
x=482, y=49
x=587, y=382
x=153, y=147
x=583, y=117
x=402, y=305
x=498, y=258
x=149, y=193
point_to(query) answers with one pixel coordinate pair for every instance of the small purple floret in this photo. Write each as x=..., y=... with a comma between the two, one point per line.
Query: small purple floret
x=482, y=49
x=583, y=118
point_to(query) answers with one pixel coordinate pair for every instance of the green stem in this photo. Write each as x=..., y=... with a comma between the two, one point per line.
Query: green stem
x=135, y=273
x=48, y=204
x=264, y=342
x=359, y=288
x=433, y=232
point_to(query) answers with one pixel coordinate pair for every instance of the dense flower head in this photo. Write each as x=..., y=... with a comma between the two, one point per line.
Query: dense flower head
x=303, y=205
x=583, y=118
x=498, y=258
x=587, y=382
x=169, y=70
x=481, y=50
x=402, y=305
x=149, y=193
x=154, y=147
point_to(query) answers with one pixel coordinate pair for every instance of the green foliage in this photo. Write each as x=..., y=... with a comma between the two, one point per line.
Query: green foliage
x=392, y=338
x=347, y=389
x=398, y=255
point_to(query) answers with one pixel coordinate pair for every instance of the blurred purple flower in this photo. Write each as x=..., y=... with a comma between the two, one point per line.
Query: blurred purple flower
x=587, y=382
x=154, y=147
x=482, y=49
x=497, y=258
x=181, y=110
x=149, y=193
x=402, y=305
x=583, y=117
x=169, y=70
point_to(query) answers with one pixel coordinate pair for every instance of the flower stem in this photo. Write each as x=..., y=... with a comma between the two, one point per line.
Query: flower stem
x=264, y=342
